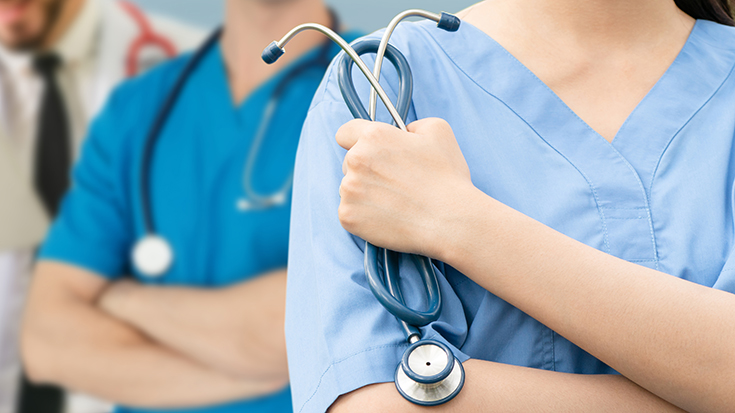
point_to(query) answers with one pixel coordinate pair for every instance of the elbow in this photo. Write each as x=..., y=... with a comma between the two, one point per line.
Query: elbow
x=39, y=358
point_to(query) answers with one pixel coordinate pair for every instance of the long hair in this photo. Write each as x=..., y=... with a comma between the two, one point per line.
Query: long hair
x=719, y=11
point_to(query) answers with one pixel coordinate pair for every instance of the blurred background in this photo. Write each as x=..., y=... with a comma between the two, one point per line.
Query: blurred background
x=59, y=60
x=363, y=15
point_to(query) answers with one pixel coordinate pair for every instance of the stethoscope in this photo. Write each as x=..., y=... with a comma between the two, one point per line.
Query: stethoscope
x=429, y=374
x=152, y=254
x=147, y=42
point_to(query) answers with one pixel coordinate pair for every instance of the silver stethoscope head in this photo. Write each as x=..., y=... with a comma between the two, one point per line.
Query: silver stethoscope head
x=152, y=255
x=275, y=200
x=429, y=374
x=276, y=49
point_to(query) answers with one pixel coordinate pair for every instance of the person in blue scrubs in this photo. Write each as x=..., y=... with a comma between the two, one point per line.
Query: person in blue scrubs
x=570, y=170
x=207, y=336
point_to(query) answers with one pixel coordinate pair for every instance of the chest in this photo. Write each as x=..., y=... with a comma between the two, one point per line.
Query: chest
x=659, y=195
x=210, y=166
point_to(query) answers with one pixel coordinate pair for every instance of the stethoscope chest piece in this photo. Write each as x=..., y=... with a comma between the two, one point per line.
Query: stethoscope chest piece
x=152, y=256
x=429, y=374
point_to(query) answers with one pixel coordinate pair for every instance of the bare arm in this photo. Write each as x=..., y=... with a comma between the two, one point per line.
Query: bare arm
x=238, y=330
x=493, y=387
x=672, y=337
x=67, y=340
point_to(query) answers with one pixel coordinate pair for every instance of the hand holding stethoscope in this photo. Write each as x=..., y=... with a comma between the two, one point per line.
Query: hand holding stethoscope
x=400, y=188
x=429, y=374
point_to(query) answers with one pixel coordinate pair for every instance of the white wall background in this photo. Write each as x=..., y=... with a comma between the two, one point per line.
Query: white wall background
x=367, y=15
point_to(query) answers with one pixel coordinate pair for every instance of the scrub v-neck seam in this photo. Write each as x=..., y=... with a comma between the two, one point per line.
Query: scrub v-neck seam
x=646, y=97
x=678, y=131
x=597, y=135
x=647, y=207
x=589, y=182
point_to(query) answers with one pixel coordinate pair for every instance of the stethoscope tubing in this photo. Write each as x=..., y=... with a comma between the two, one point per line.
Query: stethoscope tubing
x=444, y=21
x=275, y=50
x=161, y=119
x=160, y=122
x=391, y=296
x=253, y=199
x=425, y=386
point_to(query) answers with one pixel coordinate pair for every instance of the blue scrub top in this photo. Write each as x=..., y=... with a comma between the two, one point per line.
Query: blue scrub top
x=196, y=180
x=660, y=195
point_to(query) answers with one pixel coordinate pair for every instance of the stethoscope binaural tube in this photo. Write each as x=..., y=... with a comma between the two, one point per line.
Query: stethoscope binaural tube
x=152, y=254
x=429, y=374
x=444, y=21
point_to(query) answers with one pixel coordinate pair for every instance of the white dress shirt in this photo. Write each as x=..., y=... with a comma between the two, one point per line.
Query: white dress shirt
x=21, y=90
x=93, y=52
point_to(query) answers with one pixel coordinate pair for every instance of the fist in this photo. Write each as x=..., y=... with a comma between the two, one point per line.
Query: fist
x=401, y=189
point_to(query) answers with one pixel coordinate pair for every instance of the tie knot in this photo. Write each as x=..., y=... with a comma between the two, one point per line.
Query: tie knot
x=47, y=63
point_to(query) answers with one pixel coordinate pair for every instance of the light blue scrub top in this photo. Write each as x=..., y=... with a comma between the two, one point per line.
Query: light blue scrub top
x=660, y=195
x=196, y=180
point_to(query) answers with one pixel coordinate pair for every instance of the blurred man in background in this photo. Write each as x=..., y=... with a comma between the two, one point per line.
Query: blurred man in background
x=204, y=330
x=59, y=59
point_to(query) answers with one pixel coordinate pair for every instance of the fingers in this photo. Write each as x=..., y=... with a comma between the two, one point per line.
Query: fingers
x=358, y=130
x=430, y=126
x=355, y=130
x=349, y=133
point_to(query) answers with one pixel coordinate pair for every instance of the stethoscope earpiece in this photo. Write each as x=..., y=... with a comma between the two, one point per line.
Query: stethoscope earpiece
x=152, y=256
x=429, y=374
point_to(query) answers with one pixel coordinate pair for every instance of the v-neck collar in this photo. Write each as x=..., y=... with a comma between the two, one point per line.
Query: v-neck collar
x=619, y=174
x=641, y=140
x=245, y=116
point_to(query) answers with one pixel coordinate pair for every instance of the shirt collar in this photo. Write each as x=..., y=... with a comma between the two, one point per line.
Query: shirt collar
x=79, y=40
x=14, y=63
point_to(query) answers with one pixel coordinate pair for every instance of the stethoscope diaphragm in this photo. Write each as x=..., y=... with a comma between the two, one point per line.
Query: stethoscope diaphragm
x=152, y=255
x=429, y=374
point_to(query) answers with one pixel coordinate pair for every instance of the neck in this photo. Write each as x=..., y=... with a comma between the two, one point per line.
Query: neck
x=68, y=12
x=593, y=23
x=250, y=25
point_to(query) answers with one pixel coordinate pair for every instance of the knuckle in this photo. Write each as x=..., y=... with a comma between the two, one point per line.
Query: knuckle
x=349, y=188
x=373, y=131
x=346, y=216
x=357, y=160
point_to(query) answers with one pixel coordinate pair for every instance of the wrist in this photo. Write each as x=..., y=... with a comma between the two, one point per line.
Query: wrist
x=459, y=228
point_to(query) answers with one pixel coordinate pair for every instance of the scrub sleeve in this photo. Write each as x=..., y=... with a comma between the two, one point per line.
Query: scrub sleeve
x=346, y=339
x=93, y=229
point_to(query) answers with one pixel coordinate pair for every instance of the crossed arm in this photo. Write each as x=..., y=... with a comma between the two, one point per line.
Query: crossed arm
x=154, y=347
x=673, y=341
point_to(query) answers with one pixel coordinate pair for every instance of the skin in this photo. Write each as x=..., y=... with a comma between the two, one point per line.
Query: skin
x=32, y=25
x=170, y=347
x=671, y=340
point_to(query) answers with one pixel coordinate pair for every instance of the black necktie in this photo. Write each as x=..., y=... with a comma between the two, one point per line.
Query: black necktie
x=52, y=162
x=53, y=147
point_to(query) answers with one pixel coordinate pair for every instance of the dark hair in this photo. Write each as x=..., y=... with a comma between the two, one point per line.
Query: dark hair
x=719, y=11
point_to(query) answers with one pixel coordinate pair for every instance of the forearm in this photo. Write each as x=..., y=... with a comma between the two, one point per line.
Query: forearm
x=236, y=330
x=673, y=337
x=69, y=342
x=493, y=387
